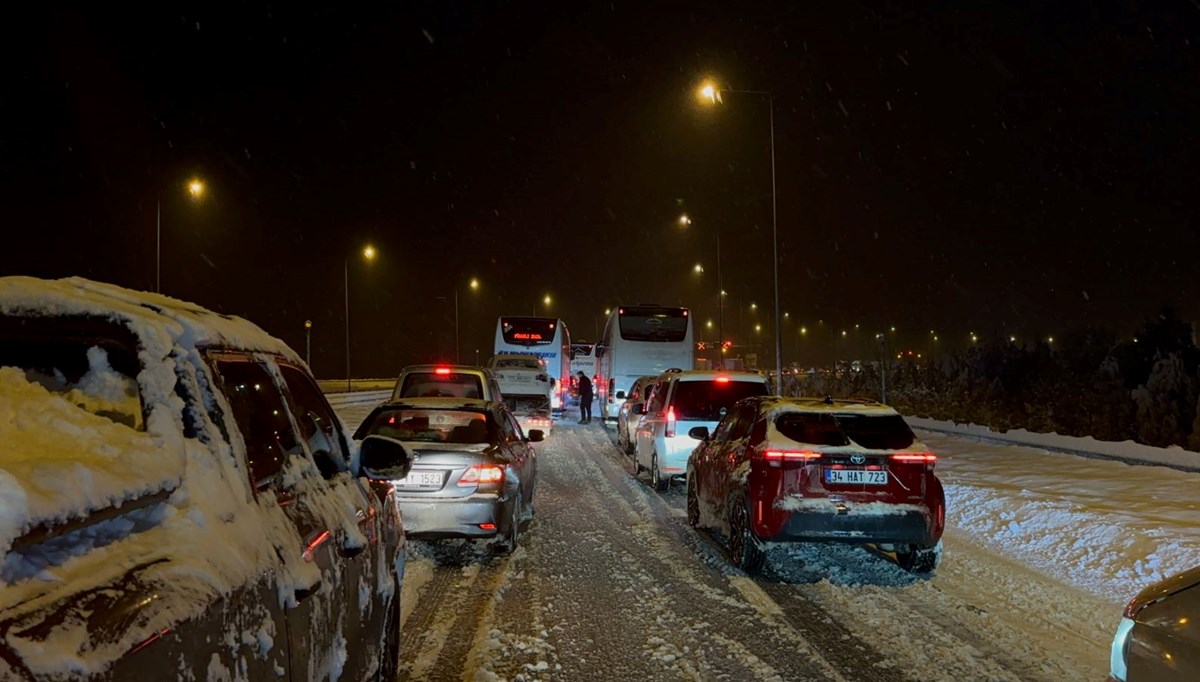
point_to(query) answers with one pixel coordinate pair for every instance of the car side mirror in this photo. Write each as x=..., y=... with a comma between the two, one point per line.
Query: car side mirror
x=699, y=432
x=620, y=395
x=535, y=436
x=383, y=459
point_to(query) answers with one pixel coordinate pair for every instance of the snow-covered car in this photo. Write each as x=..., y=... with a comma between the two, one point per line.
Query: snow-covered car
x=521, y=377
x=1157, y=638
x=446, y=381
x=178, y=500
x=680, y=401
x=473, y=472
x=627, y=416
x=811, y=470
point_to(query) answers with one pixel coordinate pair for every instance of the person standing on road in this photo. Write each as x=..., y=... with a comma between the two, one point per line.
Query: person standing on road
x=585, y=399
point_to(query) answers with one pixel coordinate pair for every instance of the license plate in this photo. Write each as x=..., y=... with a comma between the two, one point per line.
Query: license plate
x=856, y=476
x=421, y=478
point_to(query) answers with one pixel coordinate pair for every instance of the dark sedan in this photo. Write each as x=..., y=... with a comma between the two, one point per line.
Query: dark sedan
x=473, y=470
x=1158, y=638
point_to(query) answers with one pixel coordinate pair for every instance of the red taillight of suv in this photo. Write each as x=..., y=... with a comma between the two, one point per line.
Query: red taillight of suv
x=791, y=455
x=482, y=474
x=670, y=422
x=927, y=458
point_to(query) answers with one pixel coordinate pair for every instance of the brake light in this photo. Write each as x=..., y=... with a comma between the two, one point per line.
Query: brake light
x=487, y=526
x=925, y=458
x=443, y=371
x=479, y=474
x=722, y=380
x=670, y=422
x=791, y=455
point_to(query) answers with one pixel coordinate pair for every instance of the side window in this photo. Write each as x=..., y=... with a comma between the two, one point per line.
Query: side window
x=317, y=423
x=727, y=424
x=260, y=415
x=657, y=398
x=740, y=428
x=510, y=430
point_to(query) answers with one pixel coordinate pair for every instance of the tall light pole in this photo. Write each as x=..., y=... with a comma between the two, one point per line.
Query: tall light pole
x=308, y=343
x=195, y=190
x=712, y=94
x=368, y=254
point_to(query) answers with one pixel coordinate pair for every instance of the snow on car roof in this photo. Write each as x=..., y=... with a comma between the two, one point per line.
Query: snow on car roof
x=439, y=403
x=159, y=321
x=775, y=406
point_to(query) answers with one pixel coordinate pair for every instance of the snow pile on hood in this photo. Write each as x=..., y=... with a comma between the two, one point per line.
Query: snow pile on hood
x=60, y=461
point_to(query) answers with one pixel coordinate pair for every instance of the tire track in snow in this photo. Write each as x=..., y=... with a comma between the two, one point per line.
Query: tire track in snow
x=433, y=620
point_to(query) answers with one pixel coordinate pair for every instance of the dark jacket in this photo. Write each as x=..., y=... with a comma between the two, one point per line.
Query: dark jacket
x=585, y=389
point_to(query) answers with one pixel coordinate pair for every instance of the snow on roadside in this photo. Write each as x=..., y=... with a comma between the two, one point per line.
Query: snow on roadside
x=1107, y=527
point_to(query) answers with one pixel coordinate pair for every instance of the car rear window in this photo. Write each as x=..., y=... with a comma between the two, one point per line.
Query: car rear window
x=95, y=372
x=709, y=400
x=874, y=432
x=432, y=426
x=433, y=385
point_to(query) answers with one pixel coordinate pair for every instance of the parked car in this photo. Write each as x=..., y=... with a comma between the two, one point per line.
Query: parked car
x=680, y=401
x=627, y=417
x=473, y=470
x=1158, y=638
x=446, y=381
x=805, y=469
x=180, y=501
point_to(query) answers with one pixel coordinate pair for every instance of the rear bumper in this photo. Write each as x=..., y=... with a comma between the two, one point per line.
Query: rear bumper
x=453, y=518
x=908, y=527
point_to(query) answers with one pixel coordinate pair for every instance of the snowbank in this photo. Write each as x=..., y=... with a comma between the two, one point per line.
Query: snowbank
x=1126, y=451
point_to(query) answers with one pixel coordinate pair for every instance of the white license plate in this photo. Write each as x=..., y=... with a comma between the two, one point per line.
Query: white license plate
x=856, y=476
x=422, y=478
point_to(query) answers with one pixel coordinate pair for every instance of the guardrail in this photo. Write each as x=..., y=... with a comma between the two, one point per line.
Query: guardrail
x=337, y=400
x=356, y=385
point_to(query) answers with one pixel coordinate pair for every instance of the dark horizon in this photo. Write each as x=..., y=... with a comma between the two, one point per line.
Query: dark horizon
x=1007, y=170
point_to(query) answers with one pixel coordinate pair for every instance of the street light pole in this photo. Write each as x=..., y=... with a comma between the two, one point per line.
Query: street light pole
x=158, y=245
x=347, y=281
x=457, y=352
x=308, y=343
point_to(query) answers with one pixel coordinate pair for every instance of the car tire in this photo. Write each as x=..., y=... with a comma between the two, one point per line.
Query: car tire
x=508, y=544
x=389, y=655
x=916, y=559
x=744, y=548
x=693, y=502
x=660, y=483
x=637, y=467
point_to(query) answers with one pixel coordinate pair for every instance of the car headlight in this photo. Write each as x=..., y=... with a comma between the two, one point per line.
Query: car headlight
x=1120, y=647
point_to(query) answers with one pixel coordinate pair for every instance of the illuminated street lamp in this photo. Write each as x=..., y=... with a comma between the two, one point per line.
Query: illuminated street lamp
x=698, y=269
x=368, y=254
x=711, y=94
x=195, y=190
x=684, y=220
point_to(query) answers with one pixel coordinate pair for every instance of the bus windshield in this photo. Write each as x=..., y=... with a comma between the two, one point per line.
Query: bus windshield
x=528, y=331
x=653, y=324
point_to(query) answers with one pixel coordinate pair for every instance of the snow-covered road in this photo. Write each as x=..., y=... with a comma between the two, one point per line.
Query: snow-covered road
x=611, y=583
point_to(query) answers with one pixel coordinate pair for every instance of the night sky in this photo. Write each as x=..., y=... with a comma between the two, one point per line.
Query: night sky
x=1013, y=168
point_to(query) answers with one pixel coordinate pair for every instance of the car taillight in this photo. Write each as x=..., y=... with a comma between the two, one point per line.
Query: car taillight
x=927, y=458
x=791, y=455
x=479, y=474
x=442, y=371
x=722, y=380
x=670, y=422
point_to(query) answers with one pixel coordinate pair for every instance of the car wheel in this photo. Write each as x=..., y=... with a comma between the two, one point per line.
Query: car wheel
x=389, y=655
x=693, y=502
x=660, y=483
x=622, y=439
x=916, y=559
x=637, y=466
x=743, y=546
x=508, y=544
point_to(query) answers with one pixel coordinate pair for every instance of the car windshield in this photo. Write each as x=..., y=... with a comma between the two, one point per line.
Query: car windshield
x=709, y=400
x=443, y=385
x=874, y=432
x=432, y=426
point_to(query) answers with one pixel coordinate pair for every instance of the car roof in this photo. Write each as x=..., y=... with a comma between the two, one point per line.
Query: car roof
x=711, y=374
x=441, y=404
x=460, y=369
x=776, y=405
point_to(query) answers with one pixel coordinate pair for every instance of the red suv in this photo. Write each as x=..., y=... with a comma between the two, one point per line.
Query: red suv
x=806, y=469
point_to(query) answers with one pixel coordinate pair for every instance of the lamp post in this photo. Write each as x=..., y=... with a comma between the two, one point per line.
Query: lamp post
x=368, y=253
x=308, y=343
x=195, y=190
x=711, y=93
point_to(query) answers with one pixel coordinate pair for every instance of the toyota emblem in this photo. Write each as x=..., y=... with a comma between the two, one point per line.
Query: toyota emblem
x=857, y=459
